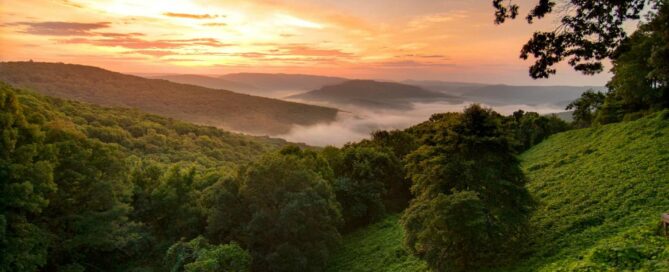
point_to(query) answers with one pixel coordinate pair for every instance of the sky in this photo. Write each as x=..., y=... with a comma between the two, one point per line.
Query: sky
x=451, y=40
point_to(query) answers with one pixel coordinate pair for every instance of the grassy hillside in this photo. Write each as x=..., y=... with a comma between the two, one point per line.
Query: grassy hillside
x=191, y=103
x=374, y=94
x=600, y=191
x=375, y=248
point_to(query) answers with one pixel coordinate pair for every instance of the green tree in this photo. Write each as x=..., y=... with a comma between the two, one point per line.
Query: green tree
x=198, y=255
x=88, y=216
x=294, y=214
x=26, y=180
x=364, y=178
x=467, y=164
x=585, y=107
x=640, y=83
x=530, y=128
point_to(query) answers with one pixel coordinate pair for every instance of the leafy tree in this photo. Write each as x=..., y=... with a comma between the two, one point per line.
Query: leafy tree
x=175, y=212
x=294, y=214
x=641, y=79
x=88, y=215
x=26, y=180
x=467, y=164
x=530, y=128
x=364, y=177
x=584, y=107
x=198, y=255
x=281, y=208
x=589, y=32
x=448, y=231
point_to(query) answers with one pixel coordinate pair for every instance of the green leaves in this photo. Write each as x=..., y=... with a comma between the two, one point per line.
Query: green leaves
x=470, y=203
x=198, y=255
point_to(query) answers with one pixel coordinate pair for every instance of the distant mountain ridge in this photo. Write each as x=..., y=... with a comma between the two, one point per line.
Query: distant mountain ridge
x=209, y=82
x=283, y=82
x=496, y=94
x=191, y=103
x=375, y=94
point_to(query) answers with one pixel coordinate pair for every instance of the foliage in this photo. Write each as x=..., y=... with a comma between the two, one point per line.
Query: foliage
x=364, y=177
x=585, y=107
x=529, y=128
x=589, y=32
x=600, y=192
x=85, y=187
x=290, y=215
x=26, y=180
x=468, y=166
x=375, y=248
x=198, y=255
x=640, y=83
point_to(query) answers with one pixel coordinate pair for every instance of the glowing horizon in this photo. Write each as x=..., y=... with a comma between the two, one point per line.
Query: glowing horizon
x=435, y=40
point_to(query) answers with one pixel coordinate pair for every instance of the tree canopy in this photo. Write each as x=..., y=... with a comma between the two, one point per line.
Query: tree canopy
x=589, y=31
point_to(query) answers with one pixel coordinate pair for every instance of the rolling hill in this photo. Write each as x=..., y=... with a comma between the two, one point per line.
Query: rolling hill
x=499, y=94
x=281, y=85
x=220, y=108
x=600, y=191
x=373, y=94
x=209, y=82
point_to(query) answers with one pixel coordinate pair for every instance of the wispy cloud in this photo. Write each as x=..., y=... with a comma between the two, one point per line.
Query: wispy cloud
x=59, y=28
x=138, y=43
x=190, y=16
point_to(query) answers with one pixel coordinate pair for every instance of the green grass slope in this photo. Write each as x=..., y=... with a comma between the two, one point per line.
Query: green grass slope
x=600, y=191
x=376, y=248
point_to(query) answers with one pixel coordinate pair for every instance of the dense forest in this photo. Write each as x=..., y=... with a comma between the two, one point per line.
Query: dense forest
x=88, y=188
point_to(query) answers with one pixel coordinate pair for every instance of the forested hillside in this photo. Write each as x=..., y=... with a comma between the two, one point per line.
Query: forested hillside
x=190, y=103
x=600, y=193
x=85, y=187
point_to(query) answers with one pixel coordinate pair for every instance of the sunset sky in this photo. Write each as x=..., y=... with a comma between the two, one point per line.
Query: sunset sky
x=451, y=40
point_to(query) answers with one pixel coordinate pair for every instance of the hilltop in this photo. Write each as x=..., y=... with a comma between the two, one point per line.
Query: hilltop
x=374, y=94
x=600, y=191
x=220, y=108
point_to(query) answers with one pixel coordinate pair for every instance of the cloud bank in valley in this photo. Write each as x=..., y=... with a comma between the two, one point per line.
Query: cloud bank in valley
x=355, y=124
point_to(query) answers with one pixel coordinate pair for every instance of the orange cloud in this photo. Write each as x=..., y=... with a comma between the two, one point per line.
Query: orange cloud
x=137, y=43
x=190, y=16
x=59, y=28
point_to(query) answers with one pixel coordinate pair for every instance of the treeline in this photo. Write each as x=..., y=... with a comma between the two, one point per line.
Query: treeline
x=640, y=84
x=86, y=188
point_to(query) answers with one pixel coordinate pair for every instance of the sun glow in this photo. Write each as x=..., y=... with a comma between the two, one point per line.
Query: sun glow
x=346, y=38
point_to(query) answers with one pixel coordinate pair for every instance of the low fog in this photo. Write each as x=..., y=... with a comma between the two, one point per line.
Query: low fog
x=354, y=124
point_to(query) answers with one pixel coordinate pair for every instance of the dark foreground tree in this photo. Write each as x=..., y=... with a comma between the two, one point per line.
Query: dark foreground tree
x=471, y=207
x=589, y=31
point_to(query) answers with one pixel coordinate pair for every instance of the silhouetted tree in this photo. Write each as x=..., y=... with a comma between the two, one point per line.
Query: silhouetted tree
x=589, y=31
